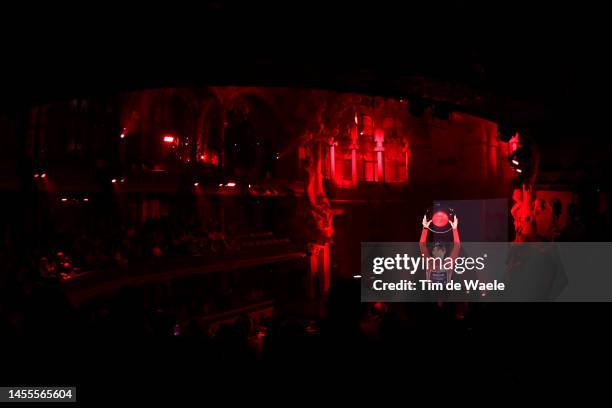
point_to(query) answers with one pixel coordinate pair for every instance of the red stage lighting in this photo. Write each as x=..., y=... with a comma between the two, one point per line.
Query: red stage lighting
x=113, y=181
x=64, y=199
x=231, y=184
x=515, y=162
x=86, y=199
x=196, y=184
x=519, y=170
x=123, y=179
x=168, y=139
x=36, y=175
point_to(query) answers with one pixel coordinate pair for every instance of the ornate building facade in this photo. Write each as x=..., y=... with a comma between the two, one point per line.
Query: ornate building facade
x=310, y=165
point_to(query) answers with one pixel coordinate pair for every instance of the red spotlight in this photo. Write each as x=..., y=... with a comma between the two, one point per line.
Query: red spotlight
x=113, y=181
x=86, y=199
x=36, y=175
x=515, y=162
x=64, y=199
x=44, y=175
x=196, y=184
x=168, y=139
x=123, y=179
x=220, y=184
x=519, y=170
x=231, y=184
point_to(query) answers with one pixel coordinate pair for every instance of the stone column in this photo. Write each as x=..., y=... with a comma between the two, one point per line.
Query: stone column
x=379, y=138
x=332, y=159
x=406, y=151
x=319, y=271
x=354, y=147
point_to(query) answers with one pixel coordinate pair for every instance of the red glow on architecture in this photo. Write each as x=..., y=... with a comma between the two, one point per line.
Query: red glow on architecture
x=440, y=219
x=514, y=142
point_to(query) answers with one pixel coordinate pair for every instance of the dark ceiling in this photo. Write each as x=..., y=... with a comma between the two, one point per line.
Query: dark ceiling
x=532, y=66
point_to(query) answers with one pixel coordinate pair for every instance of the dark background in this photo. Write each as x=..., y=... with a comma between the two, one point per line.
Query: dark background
x=480, y=220
x=539, y=66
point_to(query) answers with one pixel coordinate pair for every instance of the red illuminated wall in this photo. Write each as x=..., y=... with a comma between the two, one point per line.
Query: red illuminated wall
x=385, y=144
x=461, y=151
x=315, y=141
